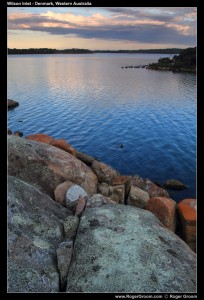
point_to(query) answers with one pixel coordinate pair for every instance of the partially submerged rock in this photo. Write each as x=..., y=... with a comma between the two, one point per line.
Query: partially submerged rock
x=12, y=104
x=35, y=229
x=46, y=166
x=175, y=184
x=123, y=249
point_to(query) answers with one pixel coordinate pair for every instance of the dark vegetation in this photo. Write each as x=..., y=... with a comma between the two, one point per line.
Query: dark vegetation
x=184, y=62
x=86, y=51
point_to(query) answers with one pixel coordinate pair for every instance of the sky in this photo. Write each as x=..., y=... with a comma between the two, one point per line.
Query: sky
x=102, y=28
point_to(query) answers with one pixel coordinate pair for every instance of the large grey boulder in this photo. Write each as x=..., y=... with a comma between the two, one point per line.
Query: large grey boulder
x=122, y=248
x=35, y=229
x=46, y=166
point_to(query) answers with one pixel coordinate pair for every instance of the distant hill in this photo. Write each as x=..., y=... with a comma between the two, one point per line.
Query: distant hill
x=48, y=51
x=86, y=51
x=184, y=62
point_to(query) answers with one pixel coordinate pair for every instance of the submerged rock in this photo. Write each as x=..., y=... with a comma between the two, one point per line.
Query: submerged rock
x=35, y=229
x=46, y=166
x=123, y=249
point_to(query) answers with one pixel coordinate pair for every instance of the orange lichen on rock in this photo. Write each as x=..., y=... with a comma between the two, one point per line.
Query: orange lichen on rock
x=63, y=145
x=40, y=137
x=165, y=210
x=187, y=214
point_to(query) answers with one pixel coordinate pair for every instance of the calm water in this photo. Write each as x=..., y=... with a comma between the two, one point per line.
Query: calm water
x=94, y=104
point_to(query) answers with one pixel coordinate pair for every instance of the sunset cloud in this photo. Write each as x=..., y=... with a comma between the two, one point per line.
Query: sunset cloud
x=143, y=25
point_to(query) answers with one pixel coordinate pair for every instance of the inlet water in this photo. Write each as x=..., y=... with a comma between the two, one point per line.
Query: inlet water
x=96, y=105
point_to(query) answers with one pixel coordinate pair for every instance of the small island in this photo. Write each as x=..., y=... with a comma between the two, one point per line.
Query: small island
x=184, y=62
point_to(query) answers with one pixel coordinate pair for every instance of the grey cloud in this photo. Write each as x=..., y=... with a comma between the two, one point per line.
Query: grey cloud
x=138, y=33
x=145, y=34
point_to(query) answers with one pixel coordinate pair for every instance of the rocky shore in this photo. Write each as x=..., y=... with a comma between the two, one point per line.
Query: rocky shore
x=77, y=225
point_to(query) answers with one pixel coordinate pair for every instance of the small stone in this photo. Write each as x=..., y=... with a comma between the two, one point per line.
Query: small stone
x=60, y=191
x=71, y=224
x=137, y=197
x=72, y=196
x=104, y=189
x=80, y=206
x=137, y=181
x=117, y=193
x=123, y=180
x=18, y=133
x=64, y=256
x=98, y=200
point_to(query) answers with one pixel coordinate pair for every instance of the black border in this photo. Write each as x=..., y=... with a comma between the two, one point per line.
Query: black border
x=3, y=120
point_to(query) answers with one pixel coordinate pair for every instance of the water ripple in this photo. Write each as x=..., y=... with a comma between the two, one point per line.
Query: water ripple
x=97, y=106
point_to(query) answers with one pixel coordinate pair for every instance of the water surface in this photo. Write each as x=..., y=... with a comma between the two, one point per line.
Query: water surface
x=95, y=105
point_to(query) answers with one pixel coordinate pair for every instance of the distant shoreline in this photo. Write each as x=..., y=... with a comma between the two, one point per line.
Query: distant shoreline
x=86, y=51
